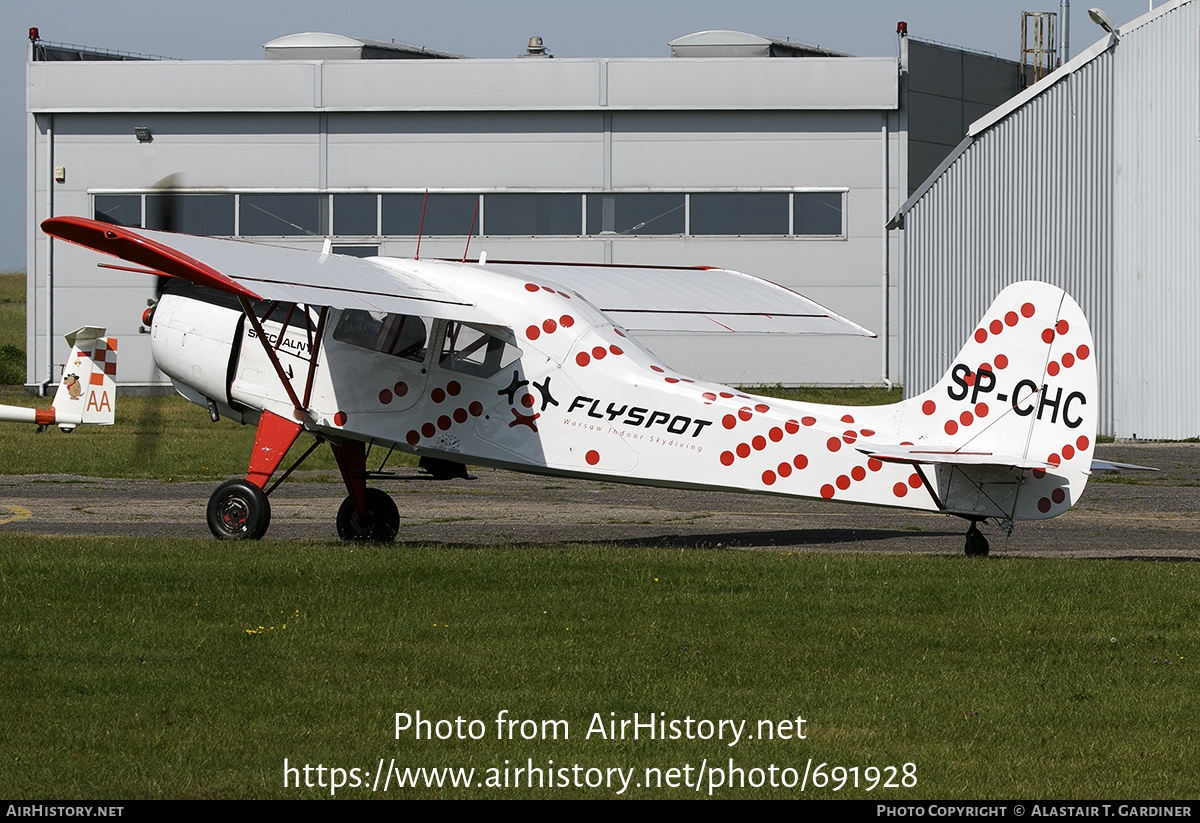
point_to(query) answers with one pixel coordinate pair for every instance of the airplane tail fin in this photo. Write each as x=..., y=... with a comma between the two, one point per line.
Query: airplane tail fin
x=87, y=391
x=1010, y=428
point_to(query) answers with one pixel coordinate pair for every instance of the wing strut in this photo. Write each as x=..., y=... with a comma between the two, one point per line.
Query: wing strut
x=314, y=345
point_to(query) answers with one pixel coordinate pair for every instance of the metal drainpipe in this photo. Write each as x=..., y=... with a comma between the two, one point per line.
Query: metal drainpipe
x=886, y=333
x=50, y=379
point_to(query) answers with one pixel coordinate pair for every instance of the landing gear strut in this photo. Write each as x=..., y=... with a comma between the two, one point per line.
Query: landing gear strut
x=977, y=544
x=366, y=514
x=238, y=509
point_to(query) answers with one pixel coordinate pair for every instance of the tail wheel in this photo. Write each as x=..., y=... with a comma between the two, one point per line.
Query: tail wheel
x=238, y=510
x=380, y=524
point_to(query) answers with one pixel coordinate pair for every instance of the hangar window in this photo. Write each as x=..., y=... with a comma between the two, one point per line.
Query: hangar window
x=355, y=250
x=119, y=209
x=472, y=350
x=447, y=214
x=818, y=213
x=739, y=213
x=533, y=214
x=399, y=335
x=209, y=214
x=635, y=213
x=284, y=215
x=355, y=215
x=801, y=214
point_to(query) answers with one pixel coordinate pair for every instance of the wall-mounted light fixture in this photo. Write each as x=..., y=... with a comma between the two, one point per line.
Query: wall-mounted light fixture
x=143, y=134
x=1100, y=18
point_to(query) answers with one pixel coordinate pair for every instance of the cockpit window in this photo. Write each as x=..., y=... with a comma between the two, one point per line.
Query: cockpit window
x=471, y=350
x=399, y=335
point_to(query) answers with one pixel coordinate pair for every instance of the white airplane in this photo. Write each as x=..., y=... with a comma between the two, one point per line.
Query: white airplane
x=536, y=368
x=86, y=394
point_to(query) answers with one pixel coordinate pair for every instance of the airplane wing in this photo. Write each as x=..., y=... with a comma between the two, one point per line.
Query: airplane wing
x=262, y=272
x=662, y=298
x=644, y=298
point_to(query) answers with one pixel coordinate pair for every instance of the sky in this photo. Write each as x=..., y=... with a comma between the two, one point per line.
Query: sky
x=237, y=29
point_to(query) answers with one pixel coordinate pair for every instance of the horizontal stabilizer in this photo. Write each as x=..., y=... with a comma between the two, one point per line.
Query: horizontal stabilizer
x=948, y=456
x=1109, y=466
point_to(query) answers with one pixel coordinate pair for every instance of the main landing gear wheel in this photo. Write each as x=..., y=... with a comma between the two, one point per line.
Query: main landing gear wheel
x=379, y=526
x=238, y=510
x=977, y=544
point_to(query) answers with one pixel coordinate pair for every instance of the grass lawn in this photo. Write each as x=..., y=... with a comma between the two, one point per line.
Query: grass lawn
x=166, y=668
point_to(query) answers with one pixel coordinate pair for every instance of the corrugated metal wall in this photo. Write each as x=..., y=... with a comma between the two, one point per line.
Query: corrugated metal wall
x=1156, y=241
x=1092, y=184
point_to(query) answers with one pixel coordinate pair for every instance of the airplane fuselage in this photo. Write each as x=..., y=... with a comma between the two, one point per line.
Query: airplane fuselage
x=560, y=389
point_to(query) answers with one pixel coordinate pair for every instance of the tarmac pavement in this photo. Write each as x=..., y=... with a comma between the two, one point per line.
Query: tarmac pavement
x=1149, y=516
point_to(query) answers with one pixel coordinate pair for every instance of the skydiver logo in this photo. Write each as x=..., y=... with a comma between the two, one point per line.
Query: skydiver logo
x=983, y=381
x=639, y=416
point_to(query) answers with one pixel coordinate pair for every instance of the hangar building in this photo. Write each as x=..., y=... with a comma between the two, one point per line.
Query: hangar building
x=756, y=154
x=1089, y=179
